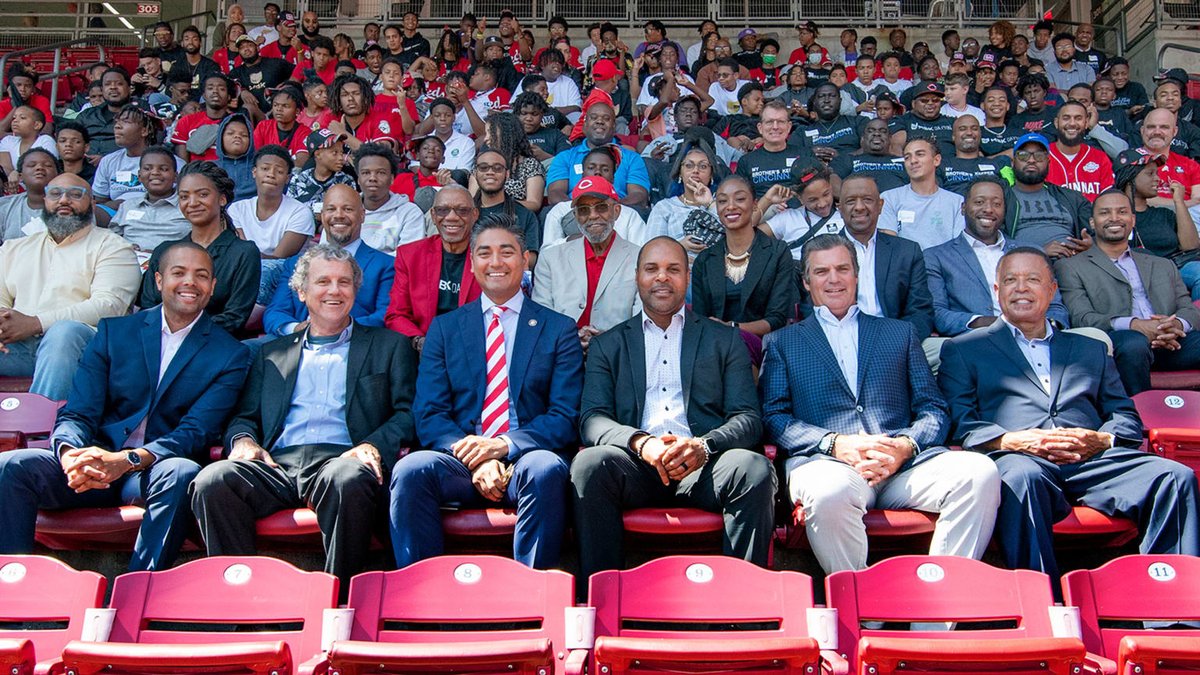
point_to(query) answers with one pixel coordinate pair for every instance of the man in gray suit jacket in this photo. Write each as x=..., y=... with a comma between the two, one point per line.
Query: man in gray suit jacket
x=686, y=434
x=1138, y=298
x=962, y=271
x=850, y=399
x=1049, y=408
x=606, y=293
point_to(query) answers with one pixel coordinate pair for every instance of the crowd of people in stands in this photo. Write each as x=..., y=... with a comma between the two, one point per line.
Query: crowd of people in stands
x=603, y=275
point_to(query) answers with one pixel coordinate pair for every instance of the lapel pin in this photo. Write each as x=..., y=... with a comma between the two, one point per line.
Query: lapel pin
x=533, y=322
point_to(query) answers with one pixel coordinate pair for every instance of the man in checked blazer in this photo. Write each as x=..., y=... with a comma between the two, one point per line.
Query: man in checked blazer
x=850, y=399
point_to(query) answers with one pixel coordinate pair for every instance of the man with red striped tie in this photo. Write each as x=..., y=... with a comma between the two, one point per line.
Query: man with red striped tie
x=497, y=405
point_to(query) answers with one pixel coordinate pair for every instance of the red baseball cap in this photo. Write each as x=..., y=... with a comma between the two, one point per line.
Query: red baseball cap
x=596, y=186
x=604, y=70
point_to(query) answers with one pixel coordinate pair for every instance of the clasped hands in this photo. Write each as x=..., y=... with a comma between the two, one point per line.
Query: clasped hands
x=674, y=457
x=93, y=468
x=1164, y=332
x=875, y=457
x=481, y=455
x=1060, y=446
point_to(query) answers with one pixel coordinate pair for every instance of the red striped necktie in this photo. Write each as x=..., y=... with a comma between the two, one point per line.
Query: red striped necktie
x=495, y=400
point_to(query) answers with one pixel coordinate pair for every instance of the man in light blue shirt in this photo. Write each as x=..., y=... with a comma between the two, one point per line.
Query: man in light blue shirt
x=631, y=180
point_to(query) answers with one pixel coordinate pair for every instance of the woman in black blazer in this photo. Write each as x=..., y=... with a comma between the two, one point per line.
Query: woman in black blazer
x=747, y=280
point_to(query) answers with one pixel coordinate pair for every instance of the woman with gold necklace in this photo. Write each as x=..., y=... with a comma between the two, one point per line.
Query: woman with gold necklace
x=747, y=280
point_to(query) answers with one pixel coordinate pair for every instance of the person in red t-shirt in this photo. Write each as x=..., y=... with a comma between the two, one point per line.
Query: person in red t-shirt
x=395, y=83
x=352, y=113
x=218, y=92
x=429, y=151
x=227, y=56
x=322, y=65
x=22, y=90
x=1158, y=131
x=1073, y=164
x=282, y=128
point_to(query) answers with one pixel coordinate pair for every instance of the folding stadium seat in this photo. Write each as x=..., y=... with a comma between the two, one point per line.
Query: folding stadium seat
x=50, y=595
x=157, y=615
x=1134, y=589
x=26, y=420
x=704, y=614
x=934, y=589
x=504, y=618
x=1172, y=422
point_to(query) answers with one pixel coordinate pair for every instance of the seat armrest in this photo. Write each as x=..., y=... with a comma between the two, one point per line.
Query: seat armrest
x=350, y=657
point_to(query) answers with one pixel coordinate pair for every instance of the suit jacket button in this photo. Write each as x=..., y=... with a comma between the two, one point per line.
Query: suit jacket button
x=1054, y=413
x=858, y=409
x=581, y=305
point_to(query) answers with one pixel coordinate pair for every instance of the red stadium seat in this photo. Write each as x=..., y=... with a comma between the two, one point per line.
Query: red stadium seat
x=742, y=618
x=26, y=420
x=1172, y=422
x=674, y=529
x=932, y=589
x=1086, y=528
x=510, y=619
x=40, y=590
x=479, y=530
x=15, y=384
x=889, y=530
x=1138, y=588
x=110, y=528
x=157, y=614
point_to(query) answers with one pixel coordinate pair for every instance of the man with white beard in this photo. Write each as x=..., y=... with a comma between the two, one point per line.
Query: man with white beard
x=56, y=285
x=607, y=295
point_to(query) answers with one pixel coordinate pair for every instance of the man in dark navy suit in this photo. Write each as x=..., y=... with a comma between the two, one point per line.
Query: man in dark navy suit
x=151, y=395
x=497, y=404
x=1050, y=409
x=851, y=400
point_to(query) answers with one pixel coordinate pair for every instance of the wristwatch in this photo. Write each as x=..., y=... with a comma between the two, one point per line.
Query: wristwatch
x=134, y=459
x=827, y=443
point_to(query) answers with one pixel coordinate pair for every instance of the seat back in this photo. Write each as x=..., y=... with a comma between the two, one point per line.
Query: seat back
x=40, y=590
x=1177, y=409
x=1133, y=588
x=26, y=418
x=233, y=595
x=708, y=593
x=461, y=598
x=933, y=589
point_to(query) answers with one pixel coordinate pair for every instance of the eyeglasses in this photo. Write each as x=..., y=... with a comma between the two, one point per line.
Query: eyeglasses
x=75, y=194
x=491, y=168
x=463, y=212
x=583, y=211
x=1035, y=155
x=693, y=166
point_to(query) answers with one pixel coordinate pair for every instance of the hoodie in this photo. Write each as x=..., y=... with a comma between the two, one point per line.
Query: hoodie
x=239, y=169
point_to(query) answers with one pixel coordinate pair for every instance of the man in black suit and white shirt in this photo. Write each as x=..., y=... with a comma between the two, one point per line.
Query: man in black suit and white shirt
x=321, y=418
x=687, y=438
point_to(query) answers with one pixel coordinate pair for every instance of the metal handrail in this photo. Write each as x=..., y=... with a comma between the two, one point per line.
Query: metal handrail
x=1174, y=45
x=55, y=74
x=146, y=30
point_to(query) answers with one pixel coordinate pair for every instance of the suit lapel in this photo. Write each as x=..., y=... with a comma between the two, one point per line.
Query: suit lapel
x=883, y=264
x=528, y=330
x=1146, y=272
x=754, y=269
x=1060, y=356
x=635, y=342
x=687, y=352
x=970, y=262
x=716, y=279
x=360, y=346
x=825, y=351
x=1002, y=338
x=190, y=347
x=615, y=262
x=1102, y=261
x=470, y=327
x=866, y=339
x=287, y=363
x=152, y=343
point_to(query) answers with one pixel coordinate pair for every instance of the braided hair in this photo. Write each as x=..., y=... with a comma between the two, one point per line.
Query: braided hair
x=138, y=115
x=220, y=180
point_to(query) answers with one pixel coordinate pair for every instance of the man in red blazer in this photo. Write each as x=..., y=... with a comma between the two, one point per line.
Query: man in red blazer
x=433, y=275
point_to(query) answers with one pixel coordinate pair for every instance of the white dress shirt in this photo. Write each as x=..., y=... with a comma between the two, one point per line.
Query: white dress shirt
x=842, y=335
x=1036, y=352
x=509, y=321
x=665, y=411
x=868, y=295
x=168, y=347
x=988, y=256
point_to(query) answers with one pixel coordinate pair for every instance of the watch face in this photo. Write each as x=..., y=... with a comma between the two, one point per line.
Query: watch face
x=133, y=458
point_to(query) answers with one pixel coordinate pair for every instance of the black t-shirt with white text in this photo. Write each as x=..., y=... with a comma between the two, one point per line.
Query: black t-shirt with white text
x=941, y=128
x=450, y=283
x=957, y=174
x=764, y=168
x=887, y=170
